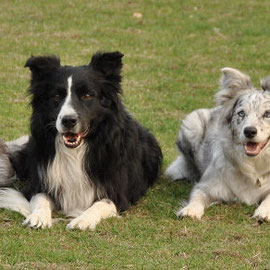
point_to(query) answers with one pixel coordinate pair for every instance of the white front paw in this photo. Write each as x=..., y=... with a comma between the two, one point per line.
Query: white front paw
x=193, y=210
x=83, y=222
x=262, y=213
x=40, y=219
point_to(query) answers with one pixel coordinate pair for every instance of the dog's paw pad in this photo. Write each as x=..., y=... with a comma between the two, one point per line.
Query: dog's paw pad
x=38, y=220
x=82, y=223
x=190, y=211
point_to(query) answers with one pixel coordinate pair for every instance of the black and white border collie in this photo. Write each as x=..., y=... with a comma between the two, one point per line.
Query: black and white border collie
x=86, y=155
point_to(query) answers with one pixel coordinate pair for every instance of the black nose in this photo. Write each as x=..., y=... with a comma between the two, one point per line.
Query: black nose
x=69, y=121
x=250, y=132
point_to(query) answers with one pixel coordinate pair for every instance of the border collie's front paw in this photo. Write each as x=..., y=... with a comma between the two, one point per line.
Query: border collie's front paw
x=38, y=220
x=262, y=213
x=83, y=222
x=191, y=210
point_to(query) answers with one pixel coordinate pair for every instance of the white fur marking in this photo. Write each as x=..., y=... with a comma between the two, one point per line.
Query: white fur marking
x=92, y=216
x=41, y=212
x=67, y=179
x=67, y=108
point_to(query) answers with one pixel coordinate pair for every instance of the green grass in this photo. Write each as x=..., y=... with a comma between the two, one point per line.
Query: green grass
x=173, y=57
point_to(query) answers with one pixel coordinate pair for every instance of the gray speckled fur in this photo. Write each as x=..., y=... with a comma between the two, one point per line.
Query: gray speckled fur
x=215, y=150
x=6, y=170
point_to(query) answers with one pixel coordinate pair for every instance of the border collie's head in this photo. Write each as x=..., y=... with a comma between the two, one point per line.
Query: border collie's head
x=73, y=101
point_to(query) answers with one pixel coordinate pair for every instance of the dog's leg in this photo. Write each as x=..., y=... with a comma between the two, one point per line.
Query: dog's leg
x=178, y=169
x=92, y=216
x=41, y=212
x=211, y=188
x=263, y=211
x=199, y=200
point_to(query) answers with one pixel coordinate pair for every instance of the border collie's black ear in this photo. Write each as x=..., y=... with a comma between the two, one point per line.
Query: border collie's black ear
x=109, y=64
x=42, y=64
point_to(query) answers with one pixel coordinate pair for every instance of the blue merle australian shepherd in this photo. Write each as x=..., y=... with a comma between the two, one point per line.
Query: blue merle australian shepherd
x=86, y=156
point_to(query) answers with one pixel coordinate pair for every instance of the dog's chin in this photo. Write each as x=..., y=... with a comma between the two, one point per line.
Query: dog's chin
x=74, y=140
x=253, y=149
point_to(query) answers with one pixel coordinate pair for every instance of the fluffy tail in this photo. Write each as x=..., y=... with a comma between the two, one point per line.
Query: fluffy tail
x=6, y=170
x=17, y=144
x=177, y=169
x=7, y=151
x=189, y=140
x=14, y=200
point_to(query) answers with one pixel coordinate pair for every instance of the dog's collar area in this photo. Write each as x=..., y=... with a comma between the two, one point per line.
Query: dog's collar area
x=259, y=182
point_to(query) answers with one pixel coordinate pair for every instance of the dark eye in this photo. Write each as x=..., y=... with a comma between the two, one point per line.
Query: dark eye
x=267, y=114
x=86, y=97
x=241, y=113
x=57, y=98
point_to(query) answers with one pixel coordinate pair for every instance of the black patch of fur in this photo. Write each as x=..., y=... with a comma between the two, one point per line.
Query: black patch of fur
x=229, y=117
x=188, y=151
x=123, y=158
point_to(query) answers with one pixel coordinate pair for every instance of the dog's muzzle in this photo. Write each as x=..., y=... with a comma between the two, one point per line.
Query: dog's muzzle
x=73, y=140
x=253, y=148
x=70, y=130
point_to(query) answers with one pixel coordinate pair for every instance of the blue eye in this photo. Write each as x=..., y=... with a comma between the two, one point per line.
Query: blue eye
x=241, y=113
x=267, y=114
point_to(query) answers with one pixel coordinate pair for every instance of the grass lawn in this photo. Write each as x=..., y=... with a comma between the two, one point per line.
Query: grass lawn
x=173, y=57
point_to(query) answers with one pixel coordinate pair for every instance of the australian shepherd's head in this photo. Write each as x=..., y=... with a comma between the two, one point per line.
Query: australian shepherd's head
x=247, y=111
x=75, y=99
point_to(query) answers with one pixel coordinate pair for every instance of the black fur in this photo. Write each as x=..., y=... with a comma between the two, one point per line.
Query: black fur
x=122, y=157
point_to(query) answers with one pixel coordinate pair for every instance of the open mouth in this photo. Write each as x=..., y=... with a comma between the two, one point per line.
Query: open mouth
x=253, y=149
x=73, y=140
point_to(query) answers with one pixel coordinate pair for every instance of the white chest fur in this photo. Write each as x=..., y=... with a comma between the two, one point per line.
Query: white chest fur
x=67, y=180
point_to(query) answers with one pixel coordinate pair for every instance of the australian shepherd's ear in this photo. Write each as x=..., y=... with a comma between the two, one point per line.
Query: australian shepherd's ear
x=232, y=81
x=42, y=65
x=265, y=84
x=108, y=64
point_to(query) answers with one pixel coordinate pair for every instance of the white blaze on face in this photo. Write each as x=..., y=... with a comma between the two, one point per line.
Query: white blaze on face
x=67, y=108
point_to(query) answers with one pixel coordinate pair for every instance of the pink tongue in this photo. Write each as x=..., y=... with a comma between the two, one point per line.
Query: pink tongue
x=253, y=149
x=250, y=146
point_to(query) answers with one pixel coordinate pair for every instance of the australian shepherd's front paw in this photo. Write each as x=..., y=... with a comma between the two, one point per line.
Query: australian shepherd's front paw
x=38, y=220
x=262, y=213
x=191, y=210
